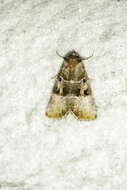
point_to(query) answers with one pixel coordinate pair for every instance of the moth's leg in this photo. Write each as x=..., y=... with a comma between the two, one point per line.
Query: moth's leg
x=84, y=106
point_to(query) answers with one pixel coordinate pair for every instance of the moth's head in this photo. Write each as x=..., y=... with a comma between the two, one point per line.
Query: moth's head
x=72, y=59
x=73, y=56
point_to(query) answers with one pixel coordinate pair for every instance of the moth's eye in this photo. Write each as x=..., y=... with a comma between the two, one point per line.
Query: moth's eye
x=66, y=58
x=78, y=58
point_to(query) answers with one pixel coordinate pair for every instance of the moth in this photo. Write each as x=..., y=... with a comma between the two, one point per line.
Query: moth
x=72, y=91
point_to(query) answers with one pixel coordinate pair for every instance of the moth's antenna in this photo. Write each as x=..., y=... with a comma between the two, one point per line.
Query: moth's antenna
x=86, y=58
x=59, y=54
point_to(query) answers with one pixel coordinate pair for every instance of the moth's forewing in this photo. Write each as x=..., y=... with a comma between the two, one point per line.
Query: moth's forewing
x=57, y=106
x=84, y=107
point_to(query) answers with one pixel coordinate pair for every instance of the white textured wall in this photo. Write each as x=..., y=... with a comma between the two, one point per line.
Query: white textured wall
x=37, y=153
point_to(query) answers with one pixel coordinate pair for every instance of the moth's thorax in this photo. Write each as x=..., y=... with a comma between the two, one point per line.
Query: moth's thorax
x=73, y=71
x=71, y=64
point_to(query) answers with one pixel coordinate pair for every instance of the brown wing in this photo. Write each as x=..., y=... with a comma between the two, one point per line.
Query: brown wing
x=84, y=108
x=83, y=105
x=57, y=106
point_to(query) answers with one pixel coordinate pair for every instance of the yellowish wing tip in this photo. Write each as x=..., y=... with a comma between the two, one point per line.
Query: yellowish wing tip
x=54, y=115
x=86, y=116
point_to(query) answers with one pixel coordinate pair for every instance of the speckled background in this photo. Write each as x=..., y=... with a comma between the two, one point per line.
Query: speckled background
x=38, y=153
